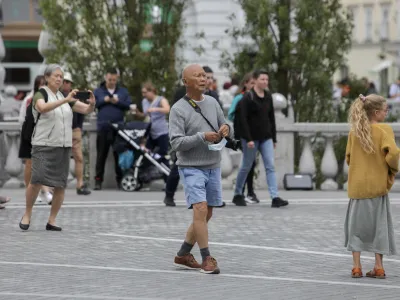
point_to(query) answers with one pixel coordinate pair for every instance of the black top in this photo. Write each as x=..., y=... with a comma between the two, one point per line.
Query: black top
x=77, y=118
x=257, y=117
x=181, y=92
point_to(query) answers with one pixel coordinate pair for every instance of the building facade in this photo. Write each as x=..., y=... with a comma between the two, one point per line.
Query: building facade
x=21, y=25
x=375, y=52
x=211, y=18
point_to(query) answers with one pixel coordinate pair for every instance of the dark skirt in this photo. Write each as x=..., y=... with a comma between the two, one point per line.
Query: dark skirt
x=50, y=166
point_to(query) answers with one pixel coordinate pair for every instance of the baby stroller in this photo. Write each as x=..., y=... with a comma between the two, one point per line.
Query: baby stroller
x=140, y=166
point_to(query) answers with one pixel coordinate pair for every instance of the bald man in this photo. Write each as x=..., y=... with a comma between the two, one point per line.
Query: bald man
x=198, y=149
x=173, y=178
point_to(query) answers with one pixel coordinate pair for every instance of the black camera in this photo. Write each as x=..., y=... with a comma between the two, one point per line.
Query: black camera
x=233, y=144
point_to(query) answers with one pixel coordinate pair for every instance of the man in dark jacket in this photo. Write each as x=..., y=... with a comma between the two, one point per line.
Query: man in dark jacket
x=258, y=133
x=112, y=101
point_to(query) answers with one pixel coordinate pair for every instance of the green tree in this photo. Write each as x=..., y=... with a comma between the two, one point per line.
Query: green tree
x=301, y=43
x=90, y=36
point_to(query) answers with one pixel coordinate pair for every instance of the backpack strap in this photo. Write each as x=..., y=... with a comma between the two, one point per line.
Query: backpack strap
x=44, y=93
x=46, y=98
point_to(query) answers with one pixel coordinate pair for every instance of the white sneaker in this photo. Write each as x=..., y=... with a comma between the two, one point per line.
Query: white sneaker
x=39, y=199
x=249, y=200
x=49, y=197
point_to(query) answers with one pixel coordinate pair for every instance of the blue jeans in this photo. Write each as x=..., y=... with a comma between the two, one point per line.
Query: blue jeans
x=202, y=185
x=266, y=148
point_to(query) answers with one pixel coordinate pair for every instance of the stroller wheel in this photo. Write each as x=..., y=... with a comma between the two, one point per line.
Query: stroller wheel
x=129, y=183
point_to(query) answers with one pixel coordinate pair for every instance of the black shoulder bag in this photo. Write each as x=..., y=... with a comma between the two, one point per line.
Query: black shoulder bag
x=230, y=143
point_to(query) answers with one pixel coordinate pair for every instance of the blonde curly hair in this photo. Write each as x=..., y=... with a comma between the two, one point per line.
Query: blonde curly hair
x=359, y=117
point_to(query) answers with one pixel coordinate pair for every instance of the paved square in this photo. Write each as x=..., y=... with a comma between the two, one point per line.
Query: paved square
x=117, y=245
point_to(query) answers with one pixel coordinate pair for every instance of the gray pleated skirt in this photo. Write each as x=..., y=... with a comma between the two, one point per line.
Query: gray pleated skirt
x=50, y=166
x=369, y=226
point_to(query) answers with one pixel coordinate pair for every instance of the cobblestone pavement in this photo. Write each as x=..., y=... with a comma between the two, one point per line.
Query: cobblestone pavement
x=117, y=245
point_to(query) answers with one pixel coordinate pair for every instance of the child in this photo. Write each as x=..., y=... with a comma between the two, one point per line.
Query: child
x=373, y=158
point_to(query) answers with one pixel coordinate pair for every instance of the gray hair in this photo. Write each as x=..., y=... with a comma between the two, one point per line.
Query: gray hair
x=51, y=68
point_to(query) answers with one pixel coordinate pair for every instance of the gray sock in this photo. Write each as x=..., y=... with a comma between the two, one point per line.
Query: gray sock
x=204, y=253
x=185, y=249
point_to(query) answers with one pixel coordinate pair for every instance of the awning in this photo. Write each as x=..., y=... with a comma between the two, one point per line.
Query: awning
x=382, y=66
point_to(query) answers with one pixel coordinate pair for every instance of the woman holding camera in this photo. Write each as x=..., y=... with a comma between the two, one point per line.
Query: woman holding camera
x=52, y=142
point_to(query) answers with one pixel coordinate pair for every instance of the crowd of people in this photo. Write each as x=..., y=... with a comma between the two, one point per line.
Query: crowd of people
x=197, y=131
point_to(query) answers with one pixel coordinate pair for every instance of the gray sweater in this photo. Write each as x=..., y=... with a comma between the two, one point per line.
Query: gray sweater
x=186, y=133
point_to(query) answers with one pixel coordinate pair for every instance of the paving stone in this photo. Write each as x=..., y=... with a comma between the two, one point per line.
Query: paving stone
x=117, y=245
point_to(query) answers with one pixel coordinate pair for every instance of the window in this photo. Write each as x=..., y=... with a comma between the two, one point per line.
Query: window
x=368, y=23
x=353, y=12
x=15, y=11
x=36, y=11
x=385, y=22
x=28, y=55
x=18, y=76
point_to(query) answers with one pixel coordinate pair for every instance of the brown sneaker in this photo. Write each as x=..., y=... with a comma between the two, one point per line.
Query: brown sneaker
x=187, y=262
x=210, y=266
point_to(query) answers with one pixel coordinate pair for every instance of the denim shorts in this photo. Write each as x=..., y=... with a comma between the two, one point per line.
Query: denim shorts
x=202, y=185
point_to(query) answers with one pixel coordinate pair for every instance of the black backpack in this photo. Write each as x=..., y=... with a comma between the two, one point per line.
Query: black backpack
x=29, y=124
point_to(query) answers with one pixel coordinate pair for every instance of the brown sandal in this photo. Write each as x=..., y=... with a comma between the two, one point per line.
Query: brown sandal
x=377, y=273
x=356, y=273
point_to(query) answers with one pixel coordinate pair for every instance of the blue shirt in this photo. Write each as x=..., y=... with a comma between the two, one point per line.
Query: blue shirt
x=110, y=112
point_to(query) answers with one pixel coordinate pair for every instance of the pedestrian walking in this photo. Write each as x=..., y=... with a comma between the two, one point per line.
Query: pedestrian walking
x=52, y=142
x=198, y=153
x=233, y=115
x=172, y=181
x=258, y=133
x=373, y=158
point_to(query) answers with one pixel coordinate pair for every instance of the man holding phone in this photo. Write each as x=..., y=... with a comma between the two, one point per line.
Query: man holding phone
x=112, y=101
x=77, y=124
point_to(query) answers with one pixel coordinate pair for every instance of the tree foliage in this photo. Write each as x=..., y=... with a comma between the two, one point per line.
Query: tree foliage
x=90, y=36
x=301, y=43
